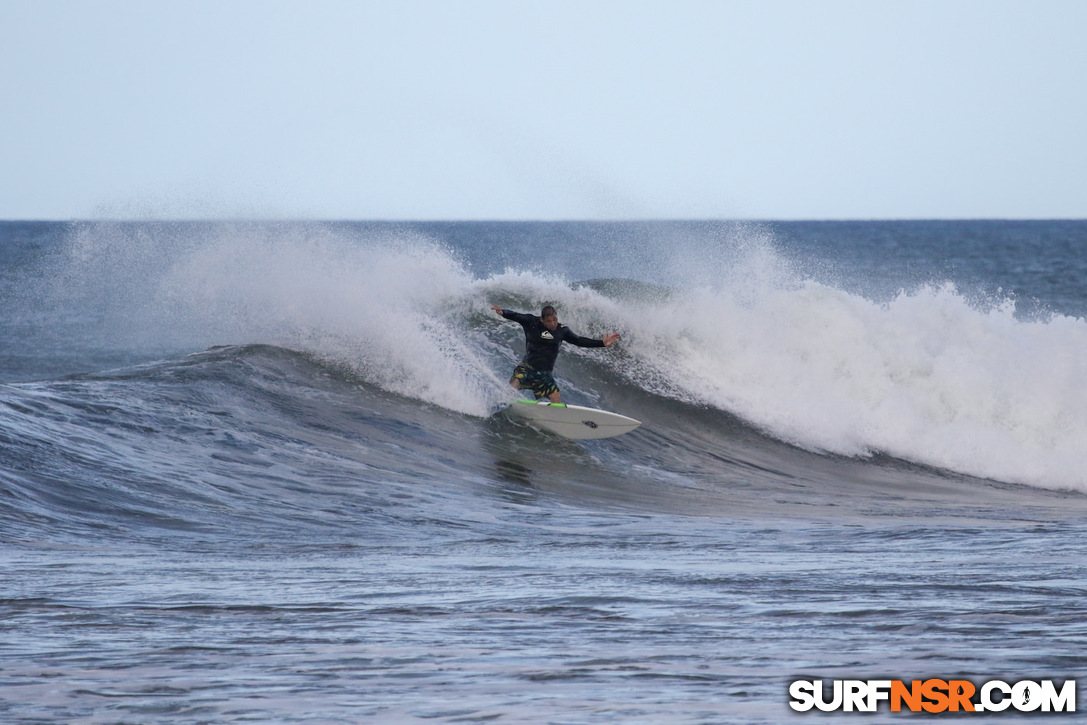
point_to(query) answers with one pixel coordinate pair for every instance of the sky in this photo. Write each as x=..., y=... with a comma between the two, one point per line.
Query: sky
x=473, y=109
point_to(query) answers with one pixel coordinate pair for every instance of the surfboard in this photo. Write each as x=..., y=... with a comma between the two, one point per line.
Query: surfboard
x=572, y=421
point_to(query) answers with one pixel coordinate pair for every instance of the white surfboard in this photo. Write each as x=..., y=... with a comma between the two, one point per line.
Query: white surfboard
x=572, y=421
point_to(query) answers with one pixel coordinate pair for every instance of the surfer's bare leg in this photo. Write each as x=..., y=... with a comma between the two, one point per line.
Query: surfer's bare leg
x=555, y=397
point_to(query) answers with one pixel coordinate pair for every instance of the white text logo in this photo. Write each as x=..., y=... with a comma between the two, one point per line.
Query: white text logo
x=933, y=695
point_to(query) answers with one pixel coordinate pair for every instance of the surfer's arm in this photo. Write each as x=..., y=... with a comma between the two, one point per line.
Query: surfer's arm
x=511, y=315
x=580, y=341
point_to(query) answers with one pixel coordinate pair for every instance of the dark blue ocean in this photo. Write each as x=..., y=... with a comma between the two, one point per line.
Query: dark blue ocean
x=249, y=471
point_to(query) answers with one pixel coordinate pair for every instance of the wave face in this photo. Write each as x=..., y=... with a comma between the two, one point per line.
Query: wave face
x=720, y=317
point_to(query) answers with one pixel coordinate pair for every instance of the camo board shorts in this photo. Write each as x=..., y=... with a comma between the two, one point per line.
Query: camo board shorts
x=539, y=382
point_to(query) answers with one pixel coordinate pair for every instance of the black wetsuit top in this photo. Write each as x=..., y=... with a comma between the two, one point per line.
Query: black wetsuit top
x=542, y=345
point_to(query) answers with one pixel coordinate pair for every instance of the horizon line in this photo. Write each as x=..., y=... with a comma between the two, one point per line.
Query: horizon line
x=526, y=220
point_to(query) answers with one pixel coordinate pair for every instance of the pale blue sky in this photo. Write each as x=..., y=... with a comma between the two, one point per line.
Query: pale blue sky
x=543, y=110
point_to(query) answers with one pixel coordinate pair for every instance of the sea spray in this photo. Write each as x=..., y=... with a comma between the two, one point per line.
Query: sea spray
x=387, y=304
x=926, y=377
x=931, y=375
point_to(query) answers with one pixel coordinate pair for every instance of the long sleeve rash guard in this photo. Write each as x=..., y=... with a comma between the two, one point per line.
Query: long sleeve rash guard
x=542, y=345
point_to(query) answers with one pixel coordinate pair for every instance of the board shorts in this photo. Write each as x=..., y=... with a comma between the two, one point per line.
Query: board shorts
x=539, y=382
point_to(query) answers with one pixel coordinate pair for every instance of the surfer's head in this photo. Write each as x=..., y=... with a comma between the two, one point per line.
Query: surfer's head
x=549, y=318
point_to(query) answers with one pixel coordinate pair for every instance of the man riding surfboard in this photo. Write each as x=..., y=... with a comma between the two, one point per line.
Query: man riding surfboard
x=544, y=336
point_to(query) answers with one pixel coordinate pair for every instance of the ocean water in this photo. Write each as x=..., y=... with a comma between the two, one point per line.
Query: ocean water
x=249, y=472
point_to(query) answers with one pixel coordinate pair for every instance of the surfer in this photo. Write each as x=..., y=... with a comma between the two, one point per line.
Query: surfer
x=543, y=337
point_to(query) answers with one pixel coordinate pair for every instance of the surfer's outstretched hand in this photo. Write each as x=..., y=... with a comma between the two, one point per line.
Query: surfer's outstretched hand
x=611, y=338
x=497, y=309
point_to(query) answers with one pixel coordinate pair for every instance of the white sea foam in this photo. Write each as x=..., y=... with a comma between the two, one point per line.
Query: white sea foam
x=928, y=376
x=385, y=305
